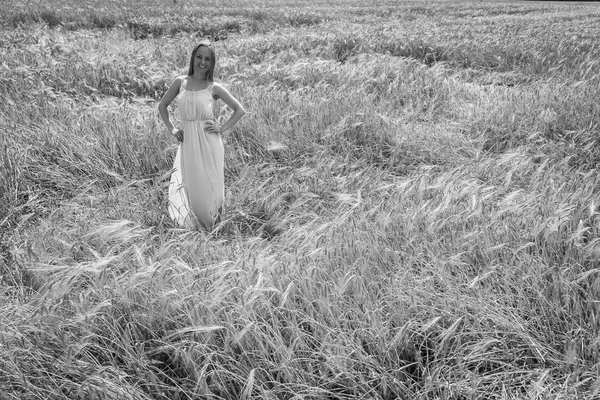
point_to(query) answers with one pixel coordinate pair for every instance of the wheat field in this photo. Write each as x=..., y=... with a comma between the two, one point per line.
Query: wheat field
x=412, y=203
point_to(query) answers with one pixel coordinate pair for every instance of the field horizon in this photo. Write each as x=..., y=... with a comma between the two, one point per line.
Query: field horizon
x=411, y=203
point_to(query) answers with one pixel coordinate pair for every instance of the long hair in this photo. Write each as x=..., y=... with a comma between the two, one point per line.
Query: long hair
x=213, y=56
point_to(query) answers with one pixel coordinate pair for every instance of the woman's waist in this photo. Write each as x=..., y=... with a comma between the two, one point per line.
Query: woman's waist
x=195, y=119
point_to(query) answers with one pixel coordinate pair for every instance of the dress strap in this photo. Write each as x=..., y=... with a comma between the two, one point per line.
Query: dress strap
x=182, y=85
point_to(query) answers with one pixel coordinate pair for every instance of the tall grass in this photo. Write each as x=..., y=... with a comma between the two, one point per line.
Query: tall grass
x=411, y=206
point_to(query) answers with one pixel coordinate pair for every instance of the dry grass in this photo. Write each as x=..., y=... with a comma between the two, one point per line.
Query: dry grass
x=411, y=206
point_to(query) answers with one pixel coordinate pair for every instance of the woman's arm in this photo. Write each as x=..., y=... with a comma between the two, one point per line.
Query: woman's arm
x=167, y=98
x=238, y=110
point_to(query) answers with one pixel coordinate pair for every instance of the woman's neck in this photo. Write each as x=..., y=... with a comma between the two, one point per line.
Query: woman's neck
x=199, y=77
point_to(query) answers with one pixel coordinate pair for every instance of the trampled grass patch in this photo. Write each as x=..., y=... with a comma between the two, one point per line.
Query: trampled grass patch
x=411, y=203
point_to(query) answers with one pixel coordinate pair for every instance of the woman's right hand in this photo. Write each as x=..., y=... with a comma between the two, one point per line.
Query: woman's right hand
x=178, y=133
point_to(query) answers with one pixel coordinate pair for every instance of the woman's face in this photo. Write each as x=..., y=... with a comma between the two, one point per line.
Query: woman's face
x=203, y=61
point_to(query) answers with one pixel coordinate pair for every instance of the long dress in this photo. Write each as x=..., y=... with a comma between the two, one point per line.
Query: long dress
x=196, y=190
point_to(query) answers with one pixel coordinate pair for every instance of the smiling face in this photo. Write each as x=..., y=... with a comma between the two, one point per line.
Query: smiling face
x=202, y=62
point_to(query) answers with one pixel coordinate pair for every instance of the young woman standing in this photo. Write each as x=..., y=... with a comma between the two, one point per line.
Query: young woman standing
x=196, y=190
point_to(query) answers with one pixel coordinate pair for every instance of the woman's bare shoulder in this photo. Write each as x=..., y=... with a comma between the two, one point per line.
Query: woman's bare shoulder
x=177, y=81
x=219, y=87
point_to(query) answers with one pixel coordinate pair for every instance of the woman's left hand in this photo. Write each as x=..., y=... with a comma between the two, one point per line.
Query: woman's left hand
x=212, y=127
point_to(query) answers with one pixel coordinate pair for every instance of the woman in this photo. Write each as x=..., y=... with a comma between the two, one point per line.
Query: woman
x=196, y=191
